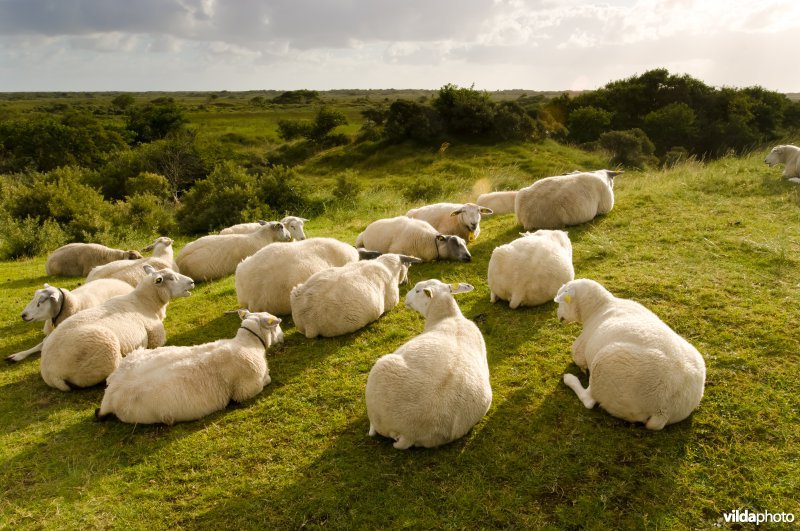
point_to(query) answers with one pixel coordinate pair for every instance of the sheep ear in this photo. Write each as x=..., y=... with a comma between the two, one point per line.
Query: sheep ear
x=564, y=296
x=457, y=212
x=364, y=254
x=440, y=238
x=149, y=247
x=262, y=222
x=460, y=287
x=149, y=269
x=159, y=280
x=46, y=285
x=270, y=322
x=612, y=173
x=243, y=313
x=304, y=220
x=409, y=259
x=486, y=211
x=428, y=292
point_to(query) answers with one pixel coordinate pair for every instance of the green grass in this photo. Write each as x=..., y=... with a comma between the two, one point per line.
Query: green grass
x=712, y=249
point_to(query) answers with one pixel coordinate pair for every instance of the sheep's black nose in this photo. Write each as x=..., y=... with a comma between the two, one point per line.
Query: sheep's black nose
x=467, y=259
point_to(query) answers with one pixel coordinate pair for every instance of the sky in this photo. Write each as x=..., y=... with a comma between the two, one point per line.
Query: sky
x=211, y=45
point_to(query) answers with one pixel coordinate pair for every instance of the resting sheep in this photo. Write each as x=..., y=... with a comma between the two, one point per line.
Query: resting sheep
x=265, y=280
x=461, y=220
x=529, y=270
x=640, y=370
x=790, y=156
x=499, y=202
x=217, y=255
x=412, y=237
x=178, y=384
x=563, y=200
x=293, y=224
x=54, y=305
x=434, y=388
x=132, y=271
x=344, y=299
x=77, y=259
x=84, y=349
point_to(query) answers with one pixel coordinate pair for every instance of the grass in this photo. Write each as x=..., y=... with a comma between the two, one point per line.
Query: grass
x=712, y=249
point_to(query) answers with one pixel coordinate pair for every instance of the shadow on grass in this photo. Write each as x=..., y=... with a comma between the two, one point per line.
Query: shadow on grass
x=534, y=461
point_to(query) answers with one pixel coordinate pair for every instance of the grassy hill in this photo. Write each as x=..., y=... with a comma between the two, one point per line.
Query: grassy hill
x=712, y=249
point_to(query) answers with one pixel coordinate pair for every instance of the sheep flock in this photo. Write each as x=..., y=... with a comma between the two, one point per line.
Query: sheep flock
x=434, y=387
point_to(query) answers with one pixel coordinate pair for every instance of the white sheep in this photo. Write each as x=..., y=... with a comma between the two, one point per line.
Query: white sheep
x=790, y=156
x=54, y=305
x=344, y=299
x=563, y=200
x=499, y=202
x=264, y=281
x=412, y=237
x=435, y=387
x=640, y=370
x=529, y=270
x=178, y=384
x=461, y=220
x=132, y=271
x=217, y=255
x=293, y=224
x=84, y=349
x=77, y=259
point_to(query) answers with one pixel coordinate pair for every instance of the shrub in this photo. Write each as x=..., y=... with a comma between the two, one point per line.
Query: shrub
x=588, y=123
x=29, y=237
x=155, y=120
x=148, y=183
x=629, y=148
x=426, y=189
x=347, y=188
x=511, y=122
x=147, y=214
x=671, y=125
x=408, y=120
x=216, y=201
x=318, y=131
x=464, y=111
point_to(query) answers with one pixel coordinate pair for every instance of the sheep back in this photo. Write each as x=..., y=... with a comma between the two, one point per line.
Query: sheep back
x=530, y=270
x=77, y=259
x=401, y=235
x=499, y=202
x=215, y=256
x=563, y=200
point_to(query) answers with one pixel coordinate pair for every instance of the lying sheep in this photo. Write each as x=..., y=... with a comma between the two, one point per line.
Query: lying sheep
x=132, y=271
x=499, y=202
x=412, y=237
x=84, y=349
x=77, y=259
x=54, y=305
x=293, y=224
x=264, y=281
x=217, y=255
x=529, y=270
x=640, y=370
x=790, y=156
x=563, y=200
x=461, y=220
x=344, y=299
x=178, y=384
x=434, y=388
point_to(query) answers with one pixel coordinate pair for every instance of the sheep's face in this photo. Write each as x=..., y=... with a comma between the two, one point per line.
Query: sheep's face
x=45, y=304
x=469, y=216
x=133, y=255
x=278, y=230
x=266, y=323
x=159, y=245
x=420, y=296
x=453, y=248
x=175, y=284
x=567, y=305
x=775, y=156
x=295, y=226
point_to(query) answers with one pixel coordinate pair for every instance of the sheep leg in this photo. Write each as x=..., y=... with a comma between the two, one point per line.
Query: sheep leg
x=372, y=431
x=656, y=422
x=19, y=356
x=403, y=443
x=514, y=302
x=492, y=297
x=585, y=395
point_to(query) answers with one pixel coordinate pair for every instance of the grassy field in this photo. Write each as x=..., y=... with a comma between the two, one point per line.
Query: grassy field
x=712, y=249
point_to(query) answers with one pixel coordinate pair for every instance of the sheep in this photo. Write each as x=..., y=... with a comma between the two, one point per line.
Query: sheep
x=499, y=202
x=77, y=259
x=84, y=349
x=461, y=220
x=293, y=224
x=435, y=387
x=178, y=384
x=53, y=305
x=640, y=370
x=344, y=299
x=529, y=270
x=412, y=237
x=217, y=255
x=132, y=271
x=790, y=156
x=563, y=200
x=264, y=281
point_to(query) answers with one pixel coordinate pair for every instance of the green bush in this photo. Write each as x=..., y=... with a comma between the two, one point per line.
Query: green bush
x=29, y=237
x=216, y=201
x=408, y=120
x=347, y=188
x=629, y=148
x=147, y=214
x=148, y=183
x=465, y=111
x=155, y=120
x=588, y=123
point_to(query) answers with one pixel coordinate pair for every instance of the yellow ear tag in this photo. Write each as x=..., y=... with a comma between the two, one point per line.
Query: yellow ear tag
x=568, y=298
x=470, y=237
x=242, y=313
x=454, y=286
x=270, y=321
